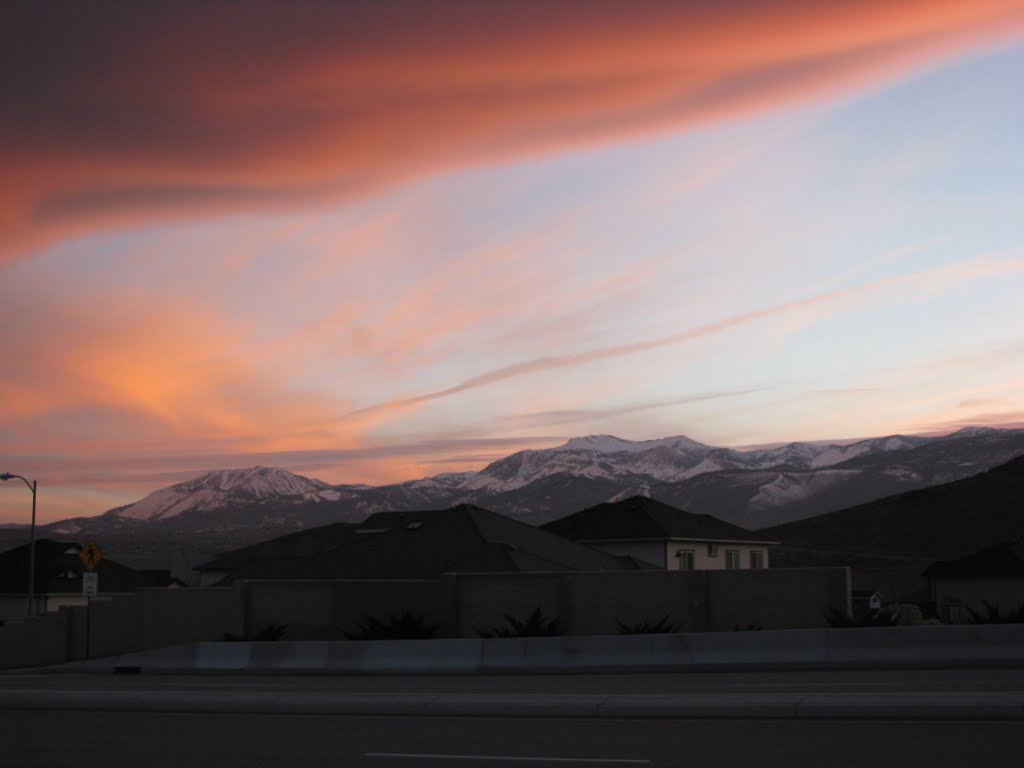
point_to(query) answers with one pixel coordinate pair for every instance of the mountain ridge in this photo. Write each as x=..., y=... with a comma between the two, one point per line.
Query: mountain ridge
x=756, y=487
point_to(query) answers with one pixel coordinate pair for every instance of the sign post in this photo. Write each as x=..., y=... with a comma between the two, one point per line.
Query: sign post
x=90, y=584
x=90, y=556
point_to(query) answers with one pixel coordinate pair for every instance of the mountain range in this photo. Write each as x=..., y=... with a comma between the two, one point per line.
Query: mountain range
x=755, y=488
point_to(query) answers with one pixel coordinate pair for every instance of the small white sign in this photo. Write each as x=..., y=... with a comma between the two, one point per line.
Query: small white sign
x=90, y=584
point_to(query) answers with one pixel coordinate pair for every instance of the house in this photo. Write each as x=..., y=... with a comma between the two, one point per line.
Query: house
x=664, y=536
x=422, y=545
x=994, y=575
x=58, y=578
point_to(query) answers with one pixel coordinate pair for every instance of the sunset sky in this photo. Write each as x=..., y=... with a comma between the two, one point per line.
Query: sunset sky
x=374, y=241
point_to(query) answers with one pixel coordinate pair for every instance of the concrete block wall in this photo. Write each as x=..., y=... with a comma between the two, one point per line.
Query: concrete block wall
x=599, y=603
x=462, y=605
x=327, y=610
x=38, y=641
x=482, y=600
x=305, y=607
x=781, y=598
x=78, y=625
x=354, y=601
x=114, y=626
x=174, y=616
x=691, y=601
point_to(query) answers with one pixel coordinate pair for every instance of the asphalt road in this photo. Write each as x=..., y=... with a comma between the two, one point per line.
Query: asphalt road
x=150, y=740
x=200, y=720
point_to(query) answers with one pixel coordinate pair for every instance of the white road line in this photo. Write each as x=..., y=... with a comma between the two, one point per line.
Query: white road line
x=510, y=759
x=839, y=686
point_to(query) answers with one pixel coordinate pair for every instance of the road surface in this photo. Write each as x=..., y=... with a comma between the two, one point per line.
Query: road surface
x=224, y=721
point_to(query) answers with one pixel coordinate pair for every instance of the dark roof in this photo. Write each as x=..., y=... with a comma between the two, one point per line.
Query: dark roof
x=303, y=543
x=58, y=570
x=1002, y=561
x=640, y=517
x=463, y=539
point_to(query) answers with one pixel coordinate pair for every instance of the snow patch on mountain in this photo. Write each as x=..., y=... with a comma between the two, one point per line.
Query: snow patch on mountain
x=526, y=467
x=633, y=490
x=612, y=444
x=224, y=488
x=788, y=487
x=836, y=454
x=669, y=459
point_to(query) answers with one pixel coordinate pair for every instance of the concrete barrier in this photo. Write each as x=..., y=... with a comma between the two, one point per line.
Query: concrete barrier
x=794, y=647
x=586, y=652
x=346, y=657
x=223, y=656
x=299, y=655
x=459, y=656
x=938, y=646
x=170, y=659
x=668, y=651
x=925, y=645
x=503, y=654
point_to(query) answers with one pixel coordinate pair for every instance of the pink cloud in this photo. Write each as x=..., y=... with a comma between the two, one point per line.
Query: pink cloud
x=117, y=113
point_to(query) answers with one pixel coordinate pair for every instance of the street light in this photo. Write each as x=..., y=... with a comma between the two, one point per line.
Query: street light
x=31, y=540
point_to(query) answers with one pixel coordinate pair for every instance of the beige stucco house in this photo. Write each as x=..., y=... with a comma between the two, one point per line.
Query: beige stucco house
x=665, y=536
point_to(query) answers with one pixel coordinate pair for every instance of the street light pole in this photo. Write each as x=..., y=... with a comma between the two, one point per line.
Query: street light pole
x=31, y=542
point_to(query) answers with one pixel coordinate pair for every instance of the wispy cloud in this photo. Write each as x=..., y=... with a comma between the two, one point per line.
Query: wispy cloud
x=927, y=280
x=569, y=416
x=119, y=114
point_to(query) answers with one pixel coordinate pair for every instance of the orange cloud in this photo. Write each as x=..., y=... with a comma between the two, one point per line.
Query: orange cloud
x=116, y=113
x=115, y=373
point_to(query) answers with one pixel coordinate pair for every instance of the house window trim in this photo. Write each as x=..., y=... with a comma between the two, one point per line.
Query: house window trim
x=732, y=560
x=712, y=549
x=687, y=559
x=757, y=560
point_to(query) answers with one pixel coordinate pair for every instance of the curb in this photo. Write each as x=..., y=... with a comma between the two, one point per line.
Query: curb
x=825, y=706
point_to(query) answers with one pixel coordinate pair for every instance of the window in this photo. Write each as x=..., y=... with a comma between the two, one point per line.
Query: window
x=756, y=558
x=687, y=560
x=732, y=558
x=712, y=549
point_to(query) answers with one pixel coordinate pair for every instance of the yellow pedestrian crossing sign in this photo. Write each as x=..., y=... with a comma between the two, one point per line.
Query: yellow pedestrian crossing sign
x=91, y=555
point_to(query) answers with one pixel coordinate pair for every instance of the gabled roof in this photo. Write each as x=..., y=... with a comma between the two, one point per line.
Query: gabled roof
x=303, y=543
x=466, y=539
x=1002, y=561
x=643, y=518
x=58, y=570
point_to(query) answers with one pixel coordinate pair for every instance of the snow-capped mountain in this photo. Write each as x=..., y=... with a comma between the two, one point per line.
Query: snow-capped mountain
x=670, y=459
x=756, y=487
x=223, y=489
